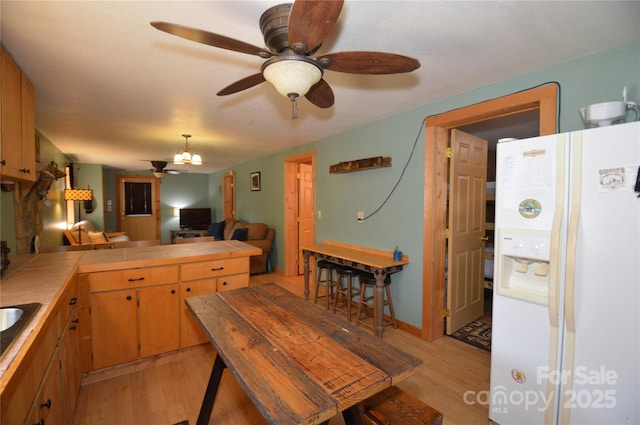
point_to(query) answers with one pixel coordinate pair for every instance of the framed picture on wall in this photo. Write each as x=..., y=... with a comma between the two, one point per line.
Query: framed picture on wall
x=255, y=180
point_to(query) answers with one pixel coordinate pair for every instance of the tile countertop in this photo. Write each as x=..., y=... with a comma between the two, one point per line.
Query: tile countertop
x=41, y=278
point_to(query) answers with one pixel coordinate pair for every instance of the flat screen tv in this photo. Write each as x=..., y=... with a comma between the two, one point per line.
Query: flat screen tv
x=195, y=218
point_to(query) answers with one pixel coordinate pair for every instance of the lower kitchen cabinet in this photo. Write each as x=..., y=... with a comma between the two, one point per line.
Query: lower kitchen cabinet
x=191, y=332
x=114, y=338
x=158, y=320
x=48, y=407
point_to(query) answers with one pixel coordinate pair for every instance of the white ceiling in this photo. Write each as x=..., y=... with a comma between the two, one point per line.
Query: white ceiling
x=113, y=90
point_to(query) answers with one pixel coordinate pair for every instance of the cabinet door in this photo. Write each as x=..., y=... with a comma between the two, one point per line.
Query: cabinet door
x=113, y=328
x=191, y=332
x=227, y=283
x=48, y=408
x=159, y=320
x=11, y=117
x=28, y=130
x=71, y=362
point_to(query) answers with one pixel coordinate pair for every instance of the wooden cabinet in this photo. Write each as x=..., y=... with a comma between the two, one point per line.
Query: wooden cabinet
x=191, y=332
x=203, y=278
x=134, y=313
x=48, y=407
x=70, y=357
x=17, y=116
x=158, y=319
x=113, y=328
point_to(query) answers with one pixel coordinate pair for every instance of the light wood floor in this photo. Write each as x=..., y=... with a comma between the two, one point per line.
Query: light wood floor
x=168, y=389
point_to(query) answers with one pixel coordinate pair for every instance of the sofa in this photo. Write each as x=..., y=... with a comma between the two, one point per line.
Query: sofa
x=84, y=233
x=256, y=234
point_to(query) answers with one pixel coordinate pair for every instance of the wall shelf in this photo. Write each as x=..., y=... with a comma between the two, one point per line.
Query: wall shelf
x=360, y=165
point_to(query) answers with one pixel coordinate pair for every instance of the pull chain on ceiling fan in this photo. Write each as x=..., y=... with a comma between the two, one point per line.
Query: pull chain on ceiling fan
x=294, y=32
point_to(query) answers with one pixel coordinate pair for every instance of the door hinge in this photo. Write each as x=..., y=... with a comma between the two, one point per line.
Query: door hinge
x=446, y=313
x=447, y=233
x=449, y=153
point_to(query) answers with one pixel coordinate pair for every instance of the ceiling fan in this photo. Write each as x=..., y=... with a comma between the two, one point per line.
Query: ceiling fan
x=160, y=171
x=293, y=33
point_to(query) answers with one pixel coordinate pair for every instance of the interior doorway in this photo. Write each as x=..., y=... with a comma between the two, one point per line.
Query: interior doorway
x=541, y=101
x=299, y=208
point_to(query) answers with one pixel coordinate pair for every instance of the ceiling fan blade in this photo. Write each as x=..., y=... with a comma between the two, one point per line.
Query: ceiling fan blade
x=245, y=83
x=370, y=63
x=211, y=39
x=311, y=21
x=320, y=94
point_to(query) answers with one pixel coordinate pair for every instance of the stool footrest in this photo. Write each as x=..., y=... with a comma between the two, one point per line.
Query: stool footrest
x=394, y=406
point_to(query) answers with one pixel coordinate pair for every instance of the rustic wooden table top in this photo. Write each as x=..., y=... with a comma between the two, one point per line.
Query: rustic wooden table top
x=358, y=254
x=298, y=363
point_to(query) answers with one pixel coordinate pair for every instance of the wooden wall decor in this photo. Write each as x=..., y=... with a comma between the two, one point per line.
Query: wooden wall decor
x=360, y=165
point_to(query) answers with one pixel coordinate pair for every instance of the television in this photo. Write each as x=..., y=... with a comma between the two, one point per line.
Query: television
x=195, y=218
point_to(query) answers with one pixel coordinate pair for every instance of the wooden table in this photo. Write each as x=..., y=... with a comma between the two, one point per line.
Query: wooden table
x=379, y=263
x=298, y=363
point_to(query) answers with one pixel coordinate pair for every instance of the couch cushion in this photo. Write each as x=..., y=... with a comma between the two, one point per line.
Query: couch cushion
x=97, y=237
x=240, y=234
x=257, y=231
x=216, y=230
x=85, y=225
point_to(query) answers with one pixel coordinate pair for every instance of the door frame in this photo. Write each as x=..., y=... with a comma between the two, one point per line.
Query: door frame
x=542, y=99
x=291, y=202
x=155, y=185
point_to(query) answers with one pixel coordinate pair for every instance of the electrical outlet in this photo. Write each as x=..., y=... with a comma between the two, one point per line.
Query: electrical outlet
x=319, y=214
x=360, y=216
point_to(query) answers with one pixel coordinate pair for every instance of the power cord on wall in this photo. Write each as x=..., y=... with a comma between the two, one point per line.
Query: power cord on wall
x=422, y=127
x=413, y=149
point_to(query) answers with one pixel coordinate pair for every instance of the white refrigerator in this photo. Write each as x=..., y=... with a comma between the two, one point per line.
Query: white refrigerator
x=566, y=305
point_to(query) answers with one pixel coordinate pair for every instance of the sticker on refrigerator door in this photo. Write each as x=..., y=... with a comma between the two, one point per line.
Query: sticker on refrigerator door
x=529, y=208
x=611, y=178
x=518, y=376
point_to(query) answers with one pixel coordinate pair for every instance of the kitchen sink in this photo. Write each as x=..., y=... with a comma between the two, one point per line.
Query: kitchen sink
x=13, y=320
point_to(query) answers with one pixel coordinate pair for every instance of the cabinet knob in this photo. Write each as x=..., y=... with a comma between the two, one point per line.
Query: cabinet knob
x=3, y=162
x=129, y=297
x=46, y=404
x=73, y=301
x=188, y=289
x=73, y=327
x=25, y=170
x=75, y=321
x=173, y=291
x=224, y=283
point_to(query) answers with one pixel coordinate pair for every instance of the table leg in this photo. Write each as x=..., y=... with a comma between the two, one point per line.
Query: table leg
x=306, y=255
x=212, y=390
x=378, y=300
x=352, y=416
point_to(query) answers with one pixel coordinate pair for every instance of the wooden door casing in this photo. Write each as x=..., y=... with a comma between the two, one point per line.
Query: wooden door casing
x=306, y=210
x=229, y=195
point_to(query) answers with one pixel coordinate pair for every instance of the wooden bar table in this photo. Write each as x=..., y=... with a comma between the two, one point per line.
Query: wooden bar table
x=298, y=363
x=377, y=262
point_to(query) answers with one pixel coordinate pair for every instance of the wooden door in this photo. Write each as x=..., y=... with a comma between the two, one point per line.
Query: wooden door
x=191, y=332
x=11, y=116
x=114, y=338
x=466, y=224
x=158, y=320
x=139, y=207
x=305, y=211
x=229, y=195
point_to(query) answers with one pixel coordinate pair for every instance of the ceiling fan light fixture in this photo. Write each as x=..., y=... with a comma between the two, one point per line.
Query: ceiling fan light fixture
x=292, y=74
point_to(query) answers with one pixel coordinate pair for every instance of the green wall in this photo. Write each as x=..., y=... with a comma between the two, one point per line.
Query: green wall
x=339, y=197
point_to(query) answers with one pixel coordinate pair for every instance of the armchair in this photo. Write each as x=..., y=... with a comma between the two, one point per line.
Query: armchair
x=83, y=233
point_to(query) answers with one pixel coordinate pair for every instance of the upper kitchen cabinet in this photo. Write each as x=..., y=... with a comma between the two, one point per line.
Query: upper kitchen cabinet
x=18, y=147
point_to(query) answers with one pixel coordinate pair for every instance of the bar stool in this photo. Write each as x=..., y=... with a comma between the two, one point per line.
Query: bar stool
x=329, y=282
x=345, y=292
x=368, y=281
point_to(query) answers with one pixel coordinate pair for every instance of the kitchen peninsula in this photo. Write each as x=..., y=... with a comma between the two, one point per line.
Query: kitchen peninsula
x=137, y=305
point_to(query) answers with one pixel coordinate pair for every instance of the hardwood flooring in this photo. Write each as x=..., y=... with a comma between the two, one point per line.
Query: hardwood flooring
x=168, y=389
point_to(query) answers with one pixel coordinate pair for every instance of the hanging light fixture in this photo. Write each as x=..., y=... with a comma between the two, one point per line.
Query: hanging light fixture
x=184, y=156
x=292, y=76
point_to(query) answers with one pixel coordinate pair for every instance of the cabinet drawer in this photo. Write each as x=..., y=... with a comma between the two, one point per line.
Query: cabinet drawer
x=207, y=269
x=228, y=283
x=132, y=278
